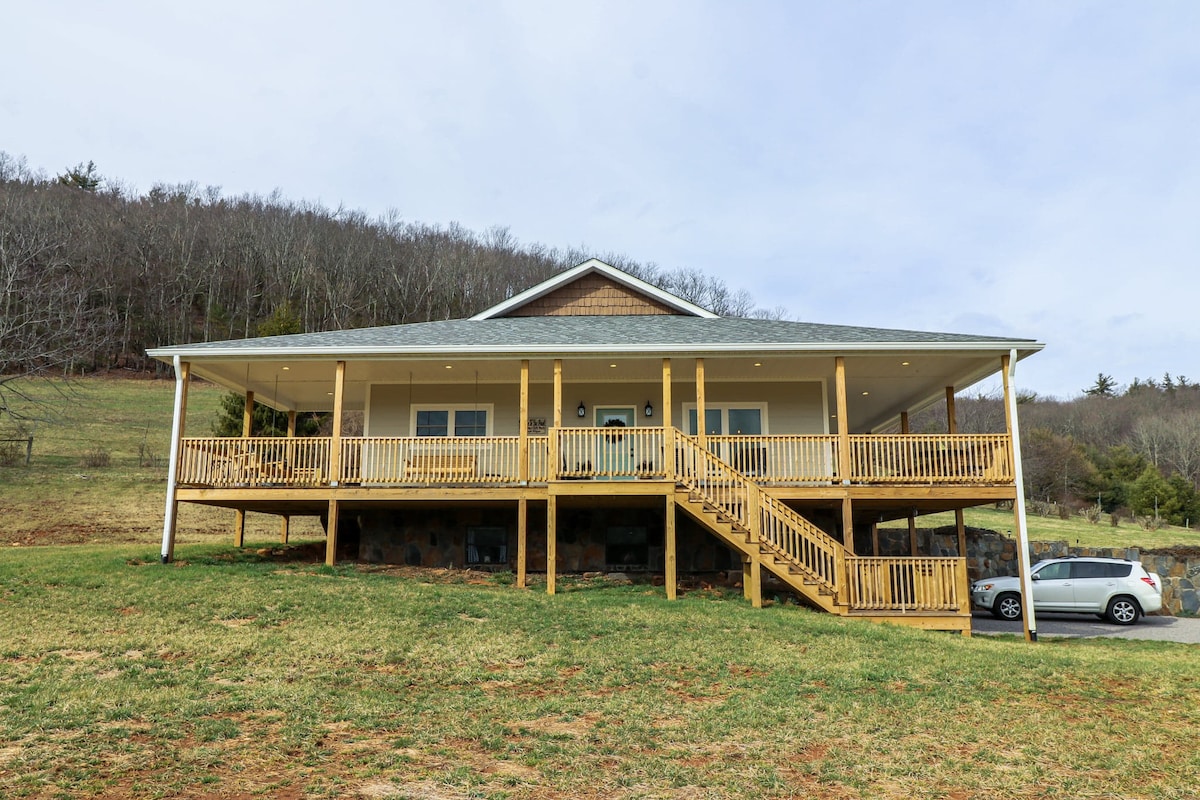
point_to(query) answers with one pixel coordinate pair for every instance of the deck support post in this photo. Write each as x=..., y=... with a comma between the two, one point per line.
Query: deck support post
x=239, y=527
x=522, y=540
x=671, y=576
x=331, y=534
x=1008, y=368
x=551, y=541
x=843, y=426
x=171, y=512
x=284, y=525
x=848, y=525
x=752, y=578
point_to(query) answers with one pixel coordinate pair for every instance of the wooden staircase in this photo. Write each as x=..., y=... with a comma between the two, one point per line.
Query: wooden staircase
x=767, y=532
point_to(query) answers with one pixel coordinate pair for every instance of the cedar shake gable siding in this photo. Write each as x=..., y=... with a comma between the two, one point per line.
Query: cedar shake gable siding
x=592, y=295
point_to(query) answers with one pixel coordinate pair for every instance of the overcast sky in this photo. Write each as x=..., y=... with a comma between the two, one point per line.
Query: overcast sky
x=1015, y=169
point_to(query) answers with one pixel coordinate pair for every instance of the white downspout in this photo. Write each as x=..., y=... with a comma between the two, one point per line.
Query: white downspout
x=1022, y=529
x=168, y=540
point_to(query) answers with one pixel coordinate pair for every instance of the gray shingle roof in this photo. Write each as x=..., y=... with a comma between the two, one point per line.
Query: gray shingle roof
x=591, y=333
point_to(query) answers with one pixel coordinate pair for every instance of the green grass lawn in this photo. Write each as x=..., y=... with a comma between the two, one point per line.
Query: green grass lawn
x=229, y=675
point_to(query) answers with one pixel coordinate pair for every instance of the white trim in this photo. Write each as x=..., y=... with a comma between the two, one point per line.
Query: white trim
x=1019, y=478
x=593, y=265
x=170, y=515
x=450, y=407
x=651, y=348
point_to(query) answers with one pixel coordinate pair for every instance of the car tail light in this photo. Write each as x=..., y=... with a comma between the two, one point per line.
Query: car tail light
x=1153, y=583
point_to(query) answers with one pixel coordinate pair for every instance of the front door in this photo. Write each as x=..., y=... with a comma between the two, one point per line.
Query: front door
x=614, y=451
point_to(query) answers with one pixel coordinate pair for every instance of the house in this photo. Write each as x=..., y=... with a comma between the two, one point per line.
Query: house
x=596, y=422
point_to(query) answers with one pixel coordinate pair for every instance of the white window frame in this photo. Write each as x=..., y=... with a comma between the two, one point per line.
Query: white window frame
x=489, y=408
x=688, y=408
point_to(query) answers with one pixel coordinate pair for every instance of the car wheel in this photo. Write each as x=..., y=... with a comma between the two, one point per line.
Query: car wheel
x=1123, y=610
x=1007, y=606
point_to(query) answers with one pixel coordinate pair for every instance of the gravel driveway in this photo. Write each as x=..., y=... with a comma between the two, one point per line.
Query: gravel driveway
x=1185, y=630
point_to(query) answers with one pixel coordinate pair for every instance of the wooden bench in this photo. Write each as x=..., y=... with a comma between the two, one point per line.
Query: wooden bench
x=441, y=468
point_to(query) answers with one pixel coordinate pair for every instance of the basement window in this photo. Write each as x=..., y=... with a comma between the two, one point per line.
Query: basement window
x=626, y=549
x=487, y=545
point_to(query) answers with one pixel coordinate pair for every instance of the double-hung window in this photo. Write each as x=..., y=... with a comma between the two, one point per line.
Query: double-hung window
x=450, y=421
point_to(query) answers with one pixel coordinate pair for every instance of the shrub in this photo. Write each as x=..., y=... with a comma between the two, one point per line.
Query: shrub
x=96, y=457
x=1092, y=513
x=11, y=454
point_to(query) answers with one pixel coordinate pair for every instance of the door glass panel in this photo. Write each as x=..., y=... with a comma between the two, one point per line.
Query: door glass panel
x=712, y=421
x=746, y=421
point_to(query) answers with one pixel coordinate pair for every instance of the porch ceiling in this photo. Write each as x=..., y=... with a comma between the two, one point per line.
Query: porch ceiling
x=879, y=385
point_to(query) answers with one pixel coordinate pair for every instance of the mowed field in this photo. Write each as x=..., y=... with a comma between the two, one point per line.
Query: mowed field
x=248, y=674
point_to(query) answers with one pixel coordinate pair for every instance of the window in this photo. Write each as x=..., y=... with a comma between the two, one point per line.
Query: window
x=627, y=549
x=432, y=421
x=487, y=545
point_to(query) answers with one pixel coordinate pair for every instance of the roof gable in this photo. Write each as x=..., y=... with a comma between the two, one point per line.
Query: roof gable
x=593, y=289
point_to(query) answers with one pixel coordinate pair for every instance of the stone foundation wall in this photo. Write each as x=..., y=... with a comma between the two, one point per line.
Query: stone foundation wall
x=437, y=537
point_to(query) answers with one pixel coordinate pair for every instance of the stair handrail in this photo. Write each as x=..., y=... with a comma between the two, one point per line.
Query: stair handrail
x=801, y=543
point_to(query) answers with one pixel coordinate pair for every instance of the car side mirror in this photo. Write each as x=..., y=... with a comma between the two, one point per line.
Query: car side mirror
x=1034, y=577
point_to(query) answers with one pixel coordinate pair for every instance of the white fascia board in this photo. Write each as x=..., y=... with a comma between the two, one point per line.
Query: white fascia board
x=593, y=265
x=166, y=353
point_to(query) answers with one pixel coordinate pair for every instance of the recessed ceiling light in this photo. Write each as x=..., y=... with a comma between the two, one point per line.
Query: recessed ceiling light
x=449, y=366
x=612, y=365
x=758, y=363
x=285, y=369
x=904, y=363
x=865, y=394
x=329, y=393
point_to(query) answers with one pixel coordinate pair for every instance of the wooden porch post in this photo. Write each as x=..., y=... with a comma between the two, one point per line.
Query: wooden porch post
x=522, y=540
x=183, y=371
x=285, y=520
x=248, y=415
x=843, y=420
x=848, y=525
x=754, y=585
x=551, y=541
x=553, y=467
x=672, y=576
x=666, y=393
x=1007, y=368
x=875, y=538
x=912, y=518
x=239, y=519
x=331, y=529
x=335, y=444
x=701, y=428
x=952, y=428
x=668, y=438
x=523, y=423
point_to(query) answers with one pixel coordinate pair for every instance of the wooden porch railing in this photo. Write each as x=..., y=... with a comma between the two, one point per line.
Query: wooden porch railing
x=907, y=584
x=591, y=454
x=780, y=459
x=610, y=453
x=258, y=461
x=930, y=458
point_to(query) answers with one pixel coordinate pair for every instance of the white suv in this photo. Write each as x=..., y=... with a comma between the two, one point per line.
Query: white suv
x=1112, y=588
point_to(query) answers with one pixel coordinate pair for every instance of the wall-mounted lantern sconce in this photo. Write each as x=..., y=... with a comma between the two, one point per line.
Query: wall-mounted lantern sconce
x=582, y=410
x=649, y=409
